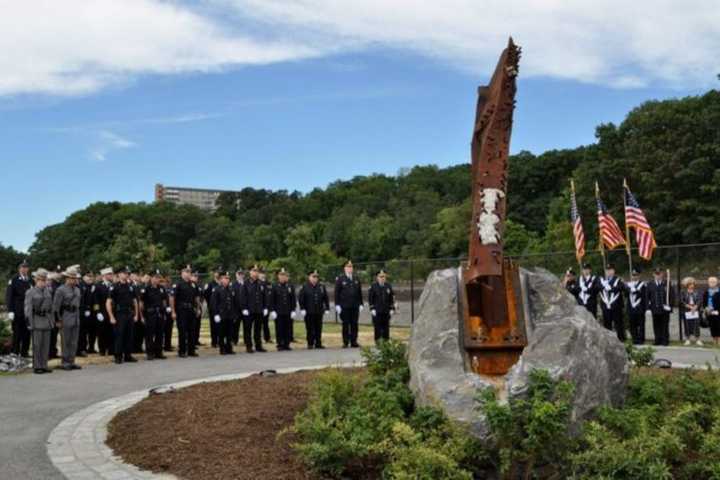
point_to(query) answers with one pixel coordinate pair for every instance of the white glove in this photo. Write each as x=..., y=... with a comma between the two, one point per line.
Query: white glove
x=362, y=308
x=265, y=311
x=87, y=313
x=326, y=312
x=293, y=315
x=392, y=312
x=338, y=309
x=168, y=310
x=245, y=312
x=11, y=316
x=373, y=312
x=667, y=308
x=273, y=315
x=217, y=318
x=100, y=317
x=303, y=313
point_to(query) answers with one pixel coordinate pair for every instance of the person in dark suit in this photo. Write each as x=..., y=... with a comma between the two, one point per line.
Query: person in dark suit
x=589, y=289
x=15, y=303
x=612, y=302
x=636, y=295
x=314, y=303
x=253, y=307
x=381, y=300
x=223, y=306
x=711, y=305
x=570, y=283
x=348, y=304
x=282, y=304
x=660, y=298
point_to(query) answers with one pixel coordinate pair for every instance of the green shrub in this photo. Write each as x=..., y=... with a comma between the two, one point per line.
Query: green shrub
x=640, y=357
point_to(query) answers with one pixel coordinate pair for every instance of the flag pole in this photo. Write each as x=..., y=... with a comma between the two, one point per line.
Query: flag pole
x=628, y=249
x=577, y=256
x=601, y=246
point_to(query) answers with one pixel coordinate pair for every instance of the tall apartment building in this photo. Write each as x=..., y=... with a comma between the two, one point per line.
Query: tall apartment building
x=198, y=197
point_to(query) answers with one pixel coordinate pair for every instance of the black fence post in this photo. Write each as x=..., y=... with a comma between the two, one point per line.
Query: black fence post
x=677, y=291
x=412, y=292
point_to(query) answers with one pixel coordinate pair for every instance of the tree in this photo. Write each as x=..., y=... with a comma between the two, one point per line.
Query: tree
x=134, y=247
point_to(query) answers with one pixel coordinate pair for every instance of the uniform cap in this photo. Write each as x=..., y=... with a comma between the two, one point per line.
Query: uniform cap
x=225, y=274
x=157, y=273
x=25, y=263
x=72, y=271
x=658, y=270
x=570, y=271
x=282, y=271
x=380, y=272
x=240, y=270
x=636, y=271
x=254, y=267
x=610, y=266
x=106, y=271
x=187, y=268
x=125, y=269
x=586, y=266
x=348, y=263
x=40, y=273
x=313, y=272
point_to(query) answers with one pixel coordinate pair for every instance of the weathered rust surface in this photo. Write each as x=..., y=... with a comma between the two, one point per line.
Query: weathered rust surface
x=494, y=329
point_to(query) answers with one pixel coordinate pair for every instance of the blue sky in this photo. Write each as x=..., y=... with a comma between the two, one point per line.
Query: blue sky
x=298, y=117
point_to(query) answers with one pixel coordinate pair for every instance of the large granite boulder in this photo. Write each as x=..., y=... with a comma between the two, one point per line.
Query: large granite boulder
x=563, y=339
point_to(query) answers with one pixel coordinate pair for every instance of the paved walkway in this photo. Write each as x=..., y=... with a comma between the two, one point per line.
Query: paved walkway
x=31, y=406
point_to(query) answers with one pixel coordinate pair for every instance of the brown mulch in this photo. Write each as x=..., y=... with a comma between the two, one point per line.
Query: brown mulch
x=218, y=430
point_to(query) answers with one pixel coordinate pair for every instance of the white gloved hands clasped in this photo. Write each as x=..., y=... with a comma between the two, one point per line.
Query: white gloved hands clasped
x=303, y=313
x=100, y=317
x=373, y=312
x=273, y=315
x=362, y=308
x=11, y=316
x=87, y=313
x=245, y=312
x=168, y=310
x=326, y=312
x=217, y=318
x=293, y=315
x=667, y=308
x=338, y=309
x=265, y=312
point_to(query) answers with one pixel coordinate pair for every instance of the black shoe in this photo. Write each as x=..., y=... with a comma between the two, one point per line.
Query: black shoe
x=182, y=355
x=47, y=370
x=92, y=350
x=269, y=341
x=168, y=349
x=150, y=358
x=310, y=346
x=161, y=357
x=193, y=354
x=249, y=350
x=223, y=352
x=288, y=349
x=103, y=353
x=213, y=345
x=230, y=352
x=320, y=346
x=118, y=360
x=355, y=345
x=260, y=349
x=75, y=366
x=39, y=370
x=130, y=359
x=81, y=354
x=345, y=345
x=67, y=368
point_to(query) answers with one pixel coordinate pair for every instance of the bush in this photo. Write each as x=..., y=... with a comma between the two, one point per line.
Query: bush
x=5, y=337
x=640, y=357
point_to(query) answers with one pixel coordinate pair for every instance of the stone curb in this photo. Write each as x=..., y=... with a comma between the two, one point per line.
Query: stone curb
x=76, y=447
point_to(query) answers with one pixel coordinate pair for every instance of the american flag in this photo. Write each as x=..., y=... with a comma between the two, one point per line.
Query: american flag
x=635, y=218
x=578, y=232
x=610, y=232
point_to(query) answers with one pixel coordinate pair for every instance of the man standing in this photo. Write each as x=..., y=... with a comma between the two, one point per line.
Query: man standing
x=237, y=287
x=166, y=283
x=153, y=302
x=184, y=306
x=66, y=305
x=381, y=300
x=314, y=303
x=636, y=292
x=207, y=295
x=106, y=343
x=38, y=307
x=56, y=280
x=589, y=289
x=611, y=297
x=86, y=344
x=138, y=282
x=253, y=307
x=266, y=316
x=659, y=301
x=122, y=306
x=223, y=305
x=195, y=279
x=15, y=302
x=282, y=308
x=348, y=304
x=571, y=284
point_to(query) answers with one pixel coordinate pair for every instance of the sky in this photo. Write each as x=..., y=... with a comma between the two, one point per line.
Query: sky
x=101, y=100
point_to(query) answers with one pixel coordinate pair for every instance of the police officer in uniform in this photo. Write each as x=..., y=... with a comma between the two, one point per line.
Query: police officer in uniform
x=106, y=342
x=348, y=304
x=184, y=304
x=612, y=301
x=207, y=294
x=166, y=283
x=636, y=294
x=266, y=316
x=253, y=307
x=15, y=302
x=122, y=306
x=66, y=305
x=195, y=278
x=571, y=284
x=589, y=289
x=282, y=304
x=658, y=304
x=86, y=344
x=223, y=306
x=55, y=283
x=314, y=303
x=381, y=300
x=38, y=307
x=238, y=286
x=153, y=305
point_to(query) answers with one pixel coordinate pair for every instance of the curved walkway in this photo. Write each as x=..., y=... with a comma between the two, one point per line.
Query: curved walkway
x=31, y=406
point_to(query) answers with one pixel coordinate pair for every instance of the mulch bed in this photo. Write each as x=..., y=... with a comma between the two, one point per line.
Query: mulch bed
x=218, y=430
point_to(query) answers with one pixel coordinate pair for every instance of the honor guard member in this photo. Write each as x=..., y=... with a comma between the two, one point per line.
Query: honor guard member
x=282, y=304
x=237, y=287
x=207, y=294
x=153, y=305
x=660, y=298
x=381, y=301
x=612, y=301
x=86, y=344
x=348, y=304
x=589, y=288
x=195, y=278
x=56, y=280
x=314, y=303
x=223, y=306
x=571, y=284
x=66, y=305
x=253, y=307
x=636, y=293
x=38, y=310
x=139, y=326
x=106, y=342
x=266, y=317
x=15, y=303
x=166, y=283
x=184, y=311
x=122, y=306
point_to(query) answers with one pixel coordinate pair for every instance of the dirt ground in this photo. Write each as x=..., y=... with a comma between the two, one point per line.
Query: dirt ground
x=218, y=430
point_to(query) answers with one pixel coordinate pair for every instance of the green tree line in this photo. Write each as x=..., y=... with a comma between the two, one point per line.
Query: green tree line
x=668, y=150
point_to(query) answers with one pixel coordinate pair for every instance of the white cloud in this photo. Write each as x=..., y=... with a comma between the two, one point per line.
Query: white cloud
x=75, y=47
x=107, y=142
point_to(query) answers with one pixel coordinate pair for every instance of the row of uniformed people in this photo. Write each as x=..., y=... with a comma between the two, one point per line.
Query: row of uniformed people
x=636, y=295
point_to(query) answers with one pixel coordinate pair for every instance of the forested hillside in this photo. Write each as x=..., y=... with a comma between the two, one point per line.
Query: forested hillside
x=668, y=150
